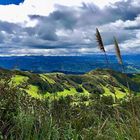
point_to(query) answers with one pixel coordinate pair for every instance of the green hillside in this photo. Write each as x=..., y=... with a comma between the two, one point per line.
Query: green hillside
x=100, y=82
x=55, y=106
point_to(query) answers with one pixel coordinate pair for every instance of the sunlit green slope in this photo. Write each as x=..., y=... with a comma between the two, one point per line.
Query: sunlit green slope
x=55, y=85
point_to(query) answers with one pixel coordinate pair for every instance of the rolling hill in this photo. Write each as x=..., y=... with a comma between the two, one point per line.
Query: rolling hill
x=101, y=82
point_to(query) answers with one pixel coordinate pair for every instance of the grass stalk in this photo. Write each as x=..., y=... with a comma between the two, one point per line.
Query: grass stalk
x=135, y=129
x=101, y=46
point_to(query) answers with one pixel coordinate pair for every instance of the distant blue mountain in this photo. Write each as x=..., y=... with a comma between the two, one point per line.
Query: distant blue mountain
x=68, y=64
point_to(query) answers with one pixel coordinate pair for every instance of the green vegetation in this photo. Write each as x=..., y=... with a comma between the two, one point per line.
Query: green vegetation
x=19, y=79
x=58, y=106
x=103, y=82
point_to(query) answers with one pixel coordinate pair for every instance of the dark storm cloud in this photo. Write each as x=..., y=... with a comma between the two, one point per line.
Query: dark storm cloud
x=67, y=19
x=73, y=28
x=8, y=27
x=124, y=10
x=1, y=37
x=133, y=28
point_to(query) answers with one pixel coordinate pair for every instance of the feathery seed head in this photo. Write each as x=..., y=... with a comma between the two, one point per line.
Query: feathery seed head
x=99, y=40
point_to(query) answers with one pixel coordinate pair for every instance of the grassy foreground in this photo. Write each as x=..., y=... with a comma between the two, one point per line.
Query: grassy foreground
x=69, y=107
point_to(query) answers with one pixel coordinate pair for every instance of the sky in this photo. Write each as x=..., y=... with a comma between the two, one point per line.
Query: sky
x=67, y=27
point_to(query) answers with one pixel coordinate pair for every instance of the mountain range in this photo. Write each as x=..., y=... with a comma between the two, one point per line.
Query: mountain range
x=69, y=64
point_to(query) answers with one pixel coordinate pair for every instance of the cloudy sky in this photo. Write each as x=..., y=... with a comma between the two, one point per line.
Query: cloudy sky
x=67, y=27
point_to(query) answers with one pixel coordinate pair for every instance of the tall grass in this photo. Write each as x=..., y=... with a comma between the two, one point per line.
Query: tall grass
x=101, y=45
x=32, y=119
x=102, y=48
x=136, y=133
x=135, y=129
x=120, y=61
